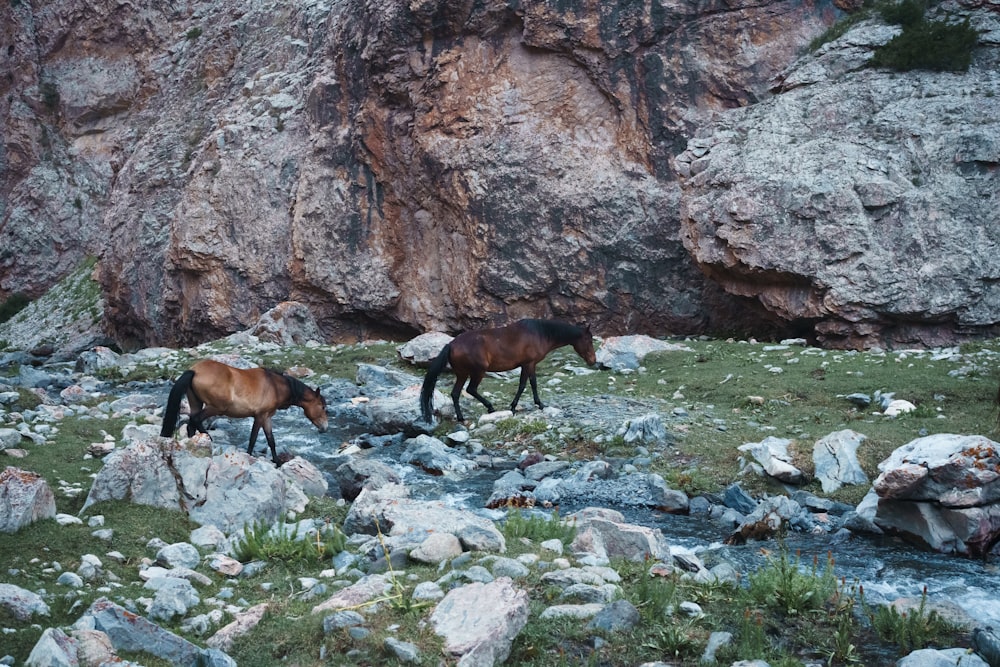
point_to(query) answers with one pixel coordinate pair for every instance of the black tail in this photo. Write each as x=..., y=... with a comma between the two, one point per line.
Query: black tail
x=174, y=403
x=430, y=380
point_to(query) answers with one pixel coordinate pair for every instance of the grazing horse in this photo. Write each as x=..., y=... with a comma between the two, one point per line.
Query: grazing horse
x=522, y=344
x=215, y=389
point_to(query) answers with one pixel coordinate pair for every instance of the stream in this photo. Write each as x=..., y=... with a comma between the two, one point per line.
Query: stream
x=886, y=567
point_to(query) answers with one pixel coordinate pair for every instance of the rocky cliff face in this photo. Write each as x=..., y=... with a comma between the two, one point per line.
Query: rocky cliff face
x=398, y=166
x=860, y=201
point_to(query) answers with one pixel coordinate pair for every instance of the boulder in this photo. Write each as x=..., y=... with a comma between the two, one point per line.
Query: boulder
x=288, y=323
x=766, y=519
x=835, y=458
x=772, y=454
x=605, y=532
x=24, y=499
x=942, y=490
x=423, y=349
x=627, y=352
x=476, y=633
x=390, y=512
x=20, y=603
x=130, y=632
x=227, y=490
x=434, y=457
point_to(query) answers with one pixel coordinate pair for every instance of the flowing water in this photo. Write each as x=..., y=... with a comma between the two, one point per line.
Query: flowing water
x=887, y=568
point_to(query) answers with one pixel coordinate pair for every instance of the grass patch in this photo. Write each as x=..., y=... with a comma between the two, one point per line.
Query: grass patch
x=713, y=398
x=538, y=528
x=284, y=543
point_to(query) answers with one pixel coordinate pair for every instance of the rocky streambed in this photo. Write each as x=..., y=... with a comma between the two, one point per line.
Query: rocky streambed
x=417, y=496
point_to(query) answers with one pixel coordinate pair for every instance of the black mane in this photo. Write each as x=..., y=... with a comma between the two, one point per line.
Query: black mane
x=296, y=388
x=555, y=330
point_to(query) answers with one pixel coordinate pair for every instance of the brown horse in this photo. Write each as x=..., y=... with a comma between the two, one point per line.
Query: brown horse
x=522, y=344
x=215, y=389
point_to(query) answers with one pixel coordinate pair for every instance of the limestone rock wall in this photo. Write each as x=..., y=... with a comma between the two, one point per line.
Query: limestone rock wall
x=408, y=166
x=860, y=203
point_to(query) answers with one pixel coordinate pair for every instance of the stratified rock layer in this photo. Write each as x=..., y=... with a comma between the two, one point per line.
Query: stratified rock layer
x=400, y=167
x=860, y=203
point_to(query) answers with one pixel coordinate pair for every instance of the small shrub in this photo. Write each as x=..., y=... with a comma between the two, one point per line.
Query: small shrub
x=929, y=45
x=906, y=13
x=193, y=33
x=13, y=305
x=50, y=96
x=783, y=585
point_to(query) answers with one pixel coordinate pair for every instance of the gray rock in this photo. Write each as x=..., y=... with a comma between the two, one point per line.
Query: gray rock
x=174, y=597
x=648, y=429
x=433, y=456
x=54, y=649
x=404, y=652
x=606, y=534
x=716, y=640
x=20, y=603
x=620, y=615
x=130, y=632
x=25, y=497
x=480, y=633
x=951, y=657
x=422, y=349
x=773, y=456
x=736, y=498
x=358, y=473
x=437, y=548
x=942, y=490
x=342, y=619
x=180, y=554
x=627, y=352
x=836, y=460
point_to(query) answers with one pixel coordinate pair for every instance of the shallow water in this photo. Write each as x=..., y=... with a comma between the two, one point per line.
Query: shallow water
x=887, y=568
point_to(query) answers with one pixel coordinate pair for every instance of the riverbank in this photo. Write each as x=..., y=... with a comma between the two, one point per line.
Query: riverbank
x=711, y=399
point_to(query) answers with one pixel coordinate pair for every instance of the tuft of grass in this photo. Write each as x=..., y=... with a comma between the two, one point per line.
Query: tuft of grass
x=281, y=543
x=784, y=586
x=538, y=528
x=911, y=630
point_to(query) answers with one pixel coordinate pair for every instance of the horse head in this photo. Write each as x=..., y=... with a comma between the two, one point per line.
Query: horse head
x=310, y=400
x=584, y=345
x=314, y=405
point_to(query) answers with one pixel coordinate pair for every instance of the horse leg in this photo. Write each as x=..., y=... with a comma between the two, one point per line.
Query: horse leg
x=527, y=374
x=473, y=389
x=520, y=389
x=253, y=435
x=534, y=388
x=196, y=414
x=456, y=393
x=270, y=440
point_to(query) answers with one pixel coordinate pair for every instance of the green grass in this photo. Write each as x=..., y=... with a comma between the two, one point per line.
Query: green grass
x=730, y=395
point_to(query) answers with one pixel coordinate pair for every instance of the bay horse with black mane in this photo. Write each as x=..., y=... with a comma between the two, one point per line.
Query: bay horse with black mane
x=523, y=344
x=216, y=389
